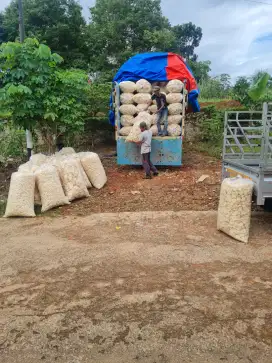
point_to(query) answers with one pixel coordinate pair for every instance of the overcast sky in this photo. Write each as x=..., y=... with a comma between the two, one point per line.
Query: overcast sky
x=237, y=34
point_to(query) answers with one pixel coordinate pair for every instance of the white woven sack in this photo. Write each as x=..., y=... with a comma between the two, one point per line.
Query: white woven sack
x=174, y=98
x=127, y=120
x=154, y=130
x=21, y=195
x=126, y=98
x=143, y=86
x=128, y=87
x=175, y=109
x=154, y=119
x=125, y=131
x=174, y=130
x=142, y=107
x=153, y=108
x=67, y=151
x=143, y=117
x=72, y=180
x=174, y=119
x=37, y=159
x=134, y=133
x=234, y=210
x=128, y=110
x=26, y=168
x=50, y=188
x=94, y=169
x=141, y=98
x=175, y=86
x=82, y=171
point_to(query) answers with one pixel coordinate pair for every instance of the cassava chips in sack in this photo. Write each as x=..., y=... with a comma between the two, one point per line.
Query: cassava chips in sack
x=21, y=195
x=175, y=86
x=174, y=98
x=234, y=210
x=154, y=130
x=142, y=107
x=153, y=108
x=50, y=188
x=72, y=180
x=128, y=87
x=134, y=133
x=141, y=98
x=174, y=119
x=127, y=120
x=37, y=159
x=67, y=151
x=143, y=117
x=175, y=109
x=128, y=110
x=82, y=171
x=94, y=169
x=26, y=168
x=174, y=130
x=126, y=98
x=125, y=131
x=143, y=86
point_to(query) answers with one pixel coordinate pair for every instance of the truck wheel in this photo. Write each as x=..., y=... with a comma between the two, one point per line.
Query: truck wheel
x=268, y=205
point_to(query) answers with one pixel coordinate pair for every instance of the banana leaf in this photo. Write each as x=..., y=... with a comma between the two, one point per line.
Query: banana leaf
x=257, y=90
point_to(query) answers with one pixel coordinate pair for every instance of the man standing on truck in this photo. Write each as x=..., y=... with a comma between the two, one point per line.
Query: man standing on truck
x=162, y=111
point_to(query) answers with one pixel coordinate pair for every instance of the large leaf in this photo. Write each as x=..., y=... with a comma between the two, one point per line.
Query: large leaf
x=44, y=51
x=257, y=90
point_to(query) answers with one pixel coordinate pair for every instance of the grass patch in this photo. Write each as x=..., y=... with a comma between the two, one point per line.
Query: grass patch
x=214, y=100
x=211, y=149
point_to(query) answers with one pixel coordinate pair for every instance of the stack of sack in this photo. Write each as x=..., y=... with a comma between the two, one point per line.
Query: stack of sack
x=53, y=181
x=135, y=98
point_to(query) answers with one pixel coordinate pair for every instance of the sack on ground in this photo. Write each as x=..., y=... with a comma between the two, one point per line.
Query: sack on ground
x=67, y=151
x=94, y=169
x=21, y=195
x=128, y=87
x=175, y=86
x=27, y=168
x=234, y=210
x=50, y=188
x=37, y=159
x=82, y=171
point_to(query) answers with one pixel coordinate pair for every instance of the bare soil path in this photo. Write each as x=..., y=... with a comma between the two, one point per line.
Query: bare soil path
x=150, y=287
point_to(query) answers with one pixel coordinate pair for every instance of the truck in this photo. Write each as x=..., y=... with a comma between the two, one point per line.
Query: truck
x=247, y=150
x=157, y=68
x=166, y=150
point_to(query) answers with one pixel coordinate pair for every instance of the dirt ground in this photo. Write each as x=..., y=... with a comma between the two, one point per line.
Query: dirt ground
x=175, y=188
x=150, y=287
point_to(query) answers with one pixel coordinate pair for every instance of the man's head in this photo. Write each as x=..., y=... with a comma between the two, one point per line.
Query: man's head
x=156, y=90
x=143, y=126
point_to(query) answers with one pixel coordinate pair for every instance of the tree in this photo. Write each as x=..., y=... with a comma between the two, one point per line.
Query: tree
x=38, y=94
x=200, y=69
x=122, y=28
x=58, y=23
x=188, y=37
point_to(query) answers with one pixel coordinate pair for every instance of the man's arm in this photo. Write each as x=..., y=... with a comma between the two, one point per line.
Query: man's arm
x=162, y=105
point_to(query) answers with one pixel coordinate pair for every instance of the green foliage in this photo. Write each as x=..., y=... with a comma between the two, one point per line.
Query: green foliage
x=38, y=93
x=201, y=70
x=99, y=99
x=212, y=125
x=257, y=90
x=217, y=87
x=12, y=142
x=58, y=23
x=188, y=37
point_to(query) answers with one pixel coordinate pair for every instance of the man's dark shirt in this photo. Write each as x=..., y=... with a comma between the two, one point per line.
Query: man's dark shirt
x=159, y=100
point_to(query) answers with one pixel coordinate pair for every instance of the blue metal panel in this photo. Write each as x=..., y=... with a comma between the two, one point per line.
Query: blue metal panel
x=166, y=151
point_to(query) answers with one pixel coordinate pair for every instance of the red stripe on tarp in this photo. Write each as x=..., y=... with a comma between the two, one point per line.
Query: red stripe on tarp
x=177, y=69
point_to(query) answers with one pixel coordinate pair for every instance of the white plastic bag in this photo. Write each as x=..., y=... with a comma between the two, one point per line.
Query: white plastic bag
x=21, y=195
x=72, y=180
x=128, y=110
x=143, y=86
x=52, y=194
x=28, y=168
x=128, y=87
x=175, y=109
x=153, y=108
x=174, y=98
x=127, y=120
x=126, y=98
x=142, y=107
x=174, y=119
x=175, y=86
x=143, y=117
x=82, y=171
x=134, y=133
x=125, y=131
x=174, y=130
x=142, y=98
x=94, y=169
x=234, y=210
